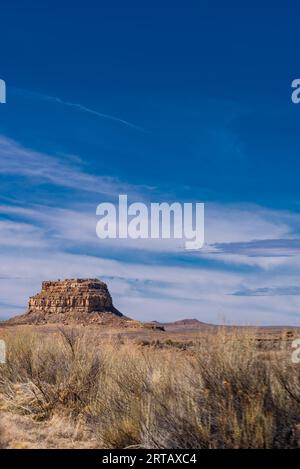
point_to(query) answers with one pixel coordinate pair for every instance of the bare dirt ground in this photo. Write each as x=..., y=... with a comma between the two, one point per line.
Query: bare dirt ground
x=22, y=432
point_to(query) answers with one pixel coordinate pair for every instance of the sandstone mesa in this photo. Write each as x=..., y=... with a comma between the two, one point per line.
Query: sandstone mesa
x=75, y=301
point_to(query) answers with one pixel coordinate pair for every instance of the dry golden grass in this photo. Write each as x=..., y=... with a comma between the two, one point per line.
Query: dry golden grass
x=79, y=390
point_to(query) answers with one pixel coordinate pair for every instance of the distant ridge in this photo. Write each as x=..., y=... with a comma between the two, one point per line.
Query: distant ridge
x=187, y=324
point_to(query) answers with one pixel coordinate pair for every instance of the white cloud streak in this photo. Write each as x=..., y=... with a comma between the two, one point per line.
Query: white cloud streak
x=16, y=160
x=79, y=107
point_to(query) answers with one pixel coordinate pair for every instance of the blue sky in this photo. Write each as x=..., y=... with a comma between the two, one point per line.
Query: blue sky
x=164, y=101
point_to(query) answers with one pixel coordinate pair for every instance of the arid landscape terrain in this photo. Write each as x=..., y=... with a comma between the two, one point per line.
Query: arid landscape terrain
x=79, y=374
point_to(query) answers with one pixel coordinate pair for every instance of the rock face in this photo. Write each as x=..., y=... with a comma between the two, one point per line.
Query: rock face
x=82, y=301
x=72, y=296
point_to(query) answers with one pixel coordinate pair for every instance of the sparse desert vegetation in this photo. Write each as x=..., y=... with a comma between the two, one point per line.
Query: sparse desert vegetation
x=74, y=388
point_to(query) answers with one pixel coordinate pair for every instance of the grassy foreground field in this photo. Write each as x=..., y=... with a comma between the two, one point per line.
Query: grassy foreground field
x=76, y=388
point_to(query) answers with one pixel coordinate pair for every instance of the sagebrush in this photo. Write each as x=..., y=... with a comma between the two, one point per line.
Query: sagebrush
x=221, y=393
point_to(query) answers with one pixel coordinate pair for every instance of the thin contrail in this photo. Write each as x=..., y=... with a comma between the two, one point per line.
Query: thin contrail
x=80, y=107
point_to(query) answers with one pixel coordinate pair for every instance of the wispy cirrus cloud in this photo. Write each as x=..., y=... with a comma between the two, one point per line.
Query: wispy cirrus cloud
x=24, y=235
x=17, y=160
x=76, y=223
x=79, y=107
x=261, y=248
x=269, y=291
